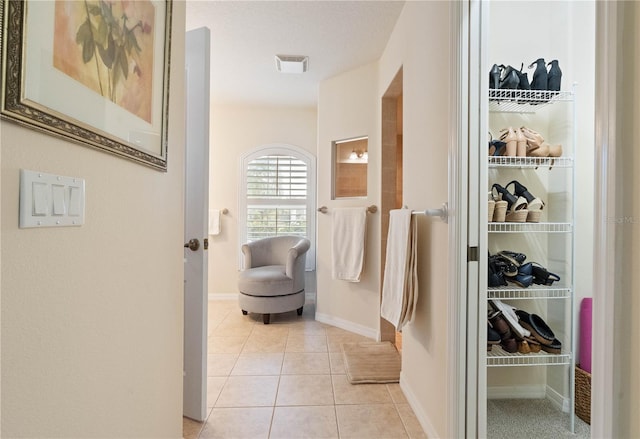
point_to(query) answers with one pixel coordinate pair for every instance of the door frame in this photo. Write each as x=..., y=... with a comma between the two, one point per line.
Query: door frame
x=604, y=298
x=458, y=153
x=464, y=408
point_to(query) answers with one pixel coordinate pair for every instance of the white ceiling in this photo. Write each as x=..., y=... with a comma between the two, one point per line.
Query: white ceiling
x=246, y=35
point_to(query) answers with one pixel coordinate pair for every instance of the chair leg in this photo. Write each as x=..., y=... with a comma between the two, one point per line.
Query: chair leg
x=299, y=310
x=244, y=313
x=266, y=318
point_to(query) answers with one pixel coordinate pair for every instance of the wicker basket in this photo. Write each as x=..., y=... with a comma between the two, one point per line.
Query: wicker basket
x=583, y=395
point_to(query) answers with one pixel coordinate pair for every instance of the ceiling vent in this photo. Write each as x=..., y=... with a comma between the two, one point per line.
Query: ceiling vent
x=292, y=63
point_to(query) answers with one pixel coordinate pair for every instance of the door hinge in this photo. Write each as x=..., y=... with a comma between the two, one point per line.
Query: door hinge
x=472, y=254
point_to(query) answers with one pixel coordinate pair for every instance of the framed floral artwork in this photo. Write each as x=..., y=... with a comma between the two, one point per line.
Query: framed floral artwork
x=92, y=71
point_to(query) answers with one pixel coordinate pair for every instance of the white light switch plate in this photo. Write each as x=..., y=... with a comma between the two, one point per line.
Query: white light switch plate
x=48, y=200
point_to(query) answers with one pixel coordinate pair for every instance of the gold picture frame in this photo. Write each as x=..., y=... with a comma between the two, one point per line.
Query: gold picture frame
x=91, y=71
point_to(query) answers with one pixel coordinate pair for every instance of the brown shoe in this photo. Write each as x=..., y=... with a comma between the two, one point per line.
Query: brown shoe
x=534, y=345
x=510, y=345
x=554, y=348
x=500, y=325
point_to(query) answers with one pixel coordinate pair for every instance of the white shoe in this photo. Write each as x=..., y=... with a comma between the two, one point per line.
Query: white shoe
x=511, y=317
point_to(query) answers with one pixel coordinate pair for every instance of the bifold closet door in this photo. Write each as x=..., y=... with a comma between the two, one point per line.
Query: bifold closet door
x=473, y=51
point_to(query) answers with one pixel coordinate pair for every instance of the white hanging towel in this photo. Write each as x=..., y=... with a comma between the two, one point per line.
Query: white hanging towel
x=400, y=285
x=347, y=243
x=214, y=221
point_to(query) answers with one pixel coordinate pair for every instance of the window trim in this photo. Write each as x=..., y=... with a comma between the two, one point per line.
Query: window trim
x=279, y=149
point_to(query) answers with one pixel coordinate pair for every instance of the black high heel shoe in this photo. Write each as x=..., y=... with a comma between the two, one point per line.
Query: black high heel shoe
x=524, y=79
x=540, y=77
x=510, y=80
x=554, y=76
x=496, y=274
x=542, y=276
x=494, y=77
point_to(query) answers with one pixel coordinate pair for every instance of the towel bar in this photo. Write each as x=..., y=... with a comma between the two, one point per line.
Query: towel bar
x=443, y=212
x=371, y=209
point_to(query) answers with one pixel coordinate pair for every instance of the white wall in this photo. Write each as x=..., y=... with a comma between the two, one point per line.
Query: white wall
x=348, y=107
x=235, y=130
x=92, y=316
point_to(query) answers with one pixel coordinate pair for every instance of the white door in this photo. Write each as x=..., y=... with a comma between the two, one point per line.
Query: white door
x=195, y=224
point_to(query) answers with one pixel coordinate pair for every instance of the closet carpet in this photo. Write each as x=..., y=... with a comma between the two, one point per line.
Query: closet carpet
x=530, y=418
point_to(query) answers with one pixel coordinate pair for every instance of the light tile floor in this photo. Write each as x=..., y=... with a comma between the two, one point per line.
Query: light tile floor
x=287, y=380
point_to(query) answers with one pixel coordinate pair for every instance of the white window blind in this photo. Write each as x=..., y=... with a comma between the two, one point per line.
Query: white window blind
x=277, y=191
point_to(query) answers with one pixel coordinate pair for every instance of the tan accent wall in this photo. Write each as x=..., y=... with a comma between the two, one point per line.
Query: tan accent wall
x=350, y=180
x=391, y=179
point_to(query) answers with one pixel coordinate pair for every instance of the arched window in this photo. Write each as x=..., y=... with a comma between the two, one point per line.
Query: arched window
x=278, y=197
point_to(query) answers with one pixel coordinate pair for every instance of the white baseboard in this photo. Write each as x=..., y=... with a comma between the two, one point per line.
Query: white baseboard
x=533, y=391
x=420, y=412
x=536, y=391
x=225, y=296
x=559, y=401
x=347, y=325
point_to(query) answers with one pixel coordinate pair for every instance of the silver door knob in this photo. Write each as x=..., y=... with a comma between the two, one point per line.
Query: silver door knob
x=192, y=245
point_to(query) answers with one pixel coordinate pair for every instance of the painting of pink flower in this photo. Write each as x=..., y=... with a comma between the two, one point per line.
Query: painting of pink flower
x=108, y=46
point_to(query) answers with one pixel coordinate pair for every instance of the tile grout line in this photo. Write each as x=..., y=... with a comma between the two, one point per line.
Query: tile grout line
x=273, y=409
x=333, y=393
x=395, y=406
x=275, y=399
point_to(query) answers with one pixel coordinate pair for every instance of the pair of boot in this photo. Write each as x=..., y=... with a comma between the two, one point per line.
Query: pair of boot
x=507, y=77
x=543, y=79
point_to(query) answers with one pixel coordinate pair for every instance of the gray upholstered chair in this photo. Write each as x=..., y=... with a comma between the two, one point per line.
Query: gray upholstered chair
x=272, y=279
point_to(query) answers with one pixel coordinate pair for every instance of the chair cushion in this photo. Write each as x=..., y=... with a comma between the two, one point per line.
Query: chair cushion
x=268, y=280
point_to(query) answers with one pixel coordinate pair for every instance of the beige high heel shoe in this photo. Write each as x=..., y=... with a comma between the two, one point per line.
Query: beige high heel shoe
x=542, y=151
x=508, y=136
x=490, y=209
x=555, y=151
x=534, y=139
x=521, y=144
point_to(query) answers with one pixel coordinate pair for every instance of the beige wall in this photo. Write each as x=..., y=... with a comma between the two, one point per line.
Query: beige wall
x=420, y=44
x=92, y=315
x=348, y=108
x=350, y=105
x=234, y=132
x=627, y=326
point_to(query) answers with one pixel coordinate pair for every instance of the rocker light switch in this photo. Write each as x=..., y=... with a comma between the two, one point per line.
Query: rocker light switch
x=48, y=200
x=74, y=201
x=58, y=199
x=40, y=199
